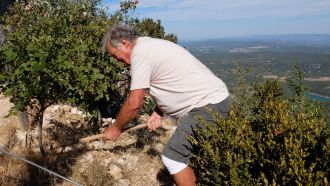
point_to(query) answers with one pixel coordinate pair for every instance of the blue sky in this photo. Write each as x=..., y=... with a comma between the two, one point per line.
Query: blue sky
x=205, y=19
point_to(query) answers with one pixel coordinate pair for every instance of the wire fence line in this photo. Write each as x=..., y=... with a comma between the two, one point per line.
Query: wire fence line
x=2, y=150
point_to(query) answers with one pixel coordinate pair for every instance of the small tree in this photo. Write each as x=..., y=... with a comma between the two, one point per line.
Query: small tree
x=52, y=54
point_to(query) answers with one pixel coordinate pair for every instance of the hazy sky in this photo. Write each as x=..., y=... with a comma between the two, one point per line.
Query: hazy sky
x=202, y=19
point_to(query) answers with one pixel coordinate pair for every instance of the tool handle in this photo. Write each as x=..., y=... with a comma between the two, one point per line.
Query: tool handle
x=99, y=136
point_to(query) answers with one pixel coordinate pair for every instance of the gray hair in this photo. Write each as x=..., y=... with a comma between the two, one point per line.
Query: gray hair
x=117, y=33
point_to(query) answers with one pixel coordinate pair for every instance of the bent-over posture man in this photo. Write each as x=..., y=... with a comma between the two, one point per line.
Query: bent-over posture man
x=180, y=84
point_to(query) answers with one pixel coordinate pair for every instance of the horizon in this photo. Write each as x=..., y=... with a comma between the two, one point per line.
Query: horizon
x=209, y=19
x=258, y=36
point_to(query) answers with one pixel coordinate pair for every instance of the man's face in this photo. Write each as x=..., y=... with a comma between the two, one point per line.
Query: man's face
x=121, y=52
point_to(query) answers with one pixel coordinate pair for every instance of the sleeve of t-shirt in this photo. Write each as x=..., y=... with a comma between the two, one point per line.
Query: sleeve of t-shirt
x=140, y=72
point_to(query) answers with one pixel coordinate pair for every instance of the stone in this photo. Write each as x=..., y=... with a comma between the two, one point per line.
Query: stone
x=96, y=144
x=55, y=108
x=107, y=161
x=123, y=182
x=74, y=110
x=89, y=158
x=67, y=149
x=46, y=120
x=105, y=124
x=159, y=147
x=115, y=172
x=66, y=108
x=128, y=162
x=121, y=162
x=131, y=162
x=21, y=136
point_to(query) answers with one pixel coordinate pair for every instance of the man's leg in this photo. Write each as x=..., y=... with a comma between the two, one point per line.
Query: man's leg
x=182, y=174
x=185, y=177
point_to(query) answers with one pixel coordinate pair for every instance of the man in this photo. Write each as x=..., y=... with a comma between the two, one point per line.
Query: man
x=181, y=86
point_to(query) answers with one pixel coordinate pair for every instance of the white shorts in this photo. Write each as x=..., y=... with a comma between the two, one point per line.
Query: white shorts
x=173, y=166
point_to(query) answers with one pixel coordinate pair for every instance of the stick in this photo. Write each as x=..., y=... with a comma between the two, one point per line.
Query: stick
x=99, y=136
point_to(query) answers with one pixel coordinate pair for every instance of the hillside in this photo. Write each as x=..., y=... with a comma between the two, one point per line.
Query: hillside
x=271, y=56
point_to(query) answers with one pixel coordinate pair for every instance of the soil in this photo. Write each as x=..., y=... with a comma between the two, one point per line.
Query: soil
x=134, y=159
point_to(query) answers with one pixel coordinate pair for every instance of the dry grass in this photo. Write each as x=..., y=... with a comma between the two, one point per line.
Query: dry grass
x=7, y=133
x=14, y=172
x=95, y=175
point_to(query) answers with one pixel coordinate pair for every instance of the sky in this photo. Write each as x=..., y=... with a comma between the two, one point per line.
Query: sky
x=209, y=19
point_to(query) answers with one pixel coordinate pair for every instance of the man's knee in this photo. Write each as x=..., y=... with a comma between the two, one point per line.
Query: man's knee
x=173, y=166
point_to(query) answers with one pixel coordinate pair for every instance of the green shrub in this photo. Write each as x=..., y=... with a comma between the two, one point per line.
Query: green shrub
x=270, y=139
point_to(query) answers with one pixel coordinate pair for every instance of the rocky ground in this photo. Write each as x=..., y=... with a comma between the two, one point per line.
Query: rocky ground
x=132, y=160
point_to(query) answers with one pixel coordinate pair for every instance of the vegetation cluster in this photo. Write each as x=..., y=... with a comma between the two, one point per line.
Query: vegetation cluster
x=270, y=138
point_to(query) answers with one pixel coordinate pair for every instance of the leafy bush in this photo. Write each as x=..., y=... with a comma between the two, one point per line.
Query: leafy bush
x=52, y=54
x=270, y=139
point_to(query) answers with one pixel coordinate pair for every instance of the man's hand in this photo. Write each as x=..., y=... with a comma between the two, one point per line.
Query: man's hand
x=154, y=122
x=111, y=133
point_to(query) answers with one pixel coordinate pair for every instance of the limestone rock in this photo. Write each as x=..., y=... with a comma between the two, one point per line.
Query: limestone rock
x=115, y=172
x=66, y=108
x=74, y=110
x=123, y=182
x=159, y=147
x=67, y=149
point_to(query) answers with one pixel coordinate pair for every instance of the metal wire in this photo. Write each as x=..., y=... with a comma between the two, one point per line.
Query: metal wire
x=36, y=165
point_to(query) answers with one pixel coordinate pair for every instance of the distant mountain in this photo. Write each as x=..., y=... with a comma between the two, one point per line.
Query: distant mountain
x=310, y=40
x=321, y=40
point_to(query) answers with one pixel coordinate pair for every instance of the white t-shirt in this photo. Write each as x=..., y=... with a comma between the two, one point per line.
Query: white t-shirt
x=178, y=82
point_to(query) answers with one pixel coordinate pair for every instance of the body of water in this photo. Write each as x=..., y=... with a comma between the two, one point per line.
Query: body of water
x=317, y=97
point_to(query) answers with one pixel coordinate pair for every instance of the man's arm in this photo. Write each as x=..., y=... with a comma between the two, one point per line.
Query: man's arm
x=128, y=112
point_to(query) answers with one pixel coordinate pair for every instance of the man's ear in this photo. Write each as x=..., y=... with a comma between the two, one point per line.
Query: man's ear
x=125, y=42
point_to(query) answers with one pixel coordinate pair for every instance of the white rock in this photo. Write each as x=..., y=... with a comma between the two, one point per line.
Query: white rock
x=113, y=121
x=107, y=161
x=66, y=108
x=89, y=158
x=115, y=172
x=21, y=136
x=80, y=113
x=159, y=147
x=97, y=144
x=121, y=162
x=128, y=162
x=67, y=149
x=46, y=120
x=123, y=182
x=55, y=108
x=131, y=162
x=74, y=110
